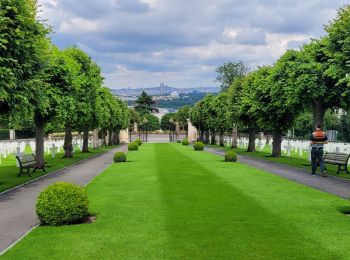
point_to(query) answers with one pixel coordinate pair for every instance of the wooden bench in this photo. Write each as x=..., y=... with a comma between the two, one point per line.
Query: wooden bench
x=26, y=162
x=340, y=159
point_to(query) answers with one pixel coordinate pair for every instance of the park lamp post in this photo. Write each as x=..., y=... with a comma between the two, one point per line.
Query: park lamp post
x=145, y=121
x=171, y=122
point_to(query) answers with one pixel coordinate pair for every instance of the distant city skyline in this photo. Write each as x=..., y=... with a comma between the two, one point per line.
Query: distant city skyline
x=142, y=43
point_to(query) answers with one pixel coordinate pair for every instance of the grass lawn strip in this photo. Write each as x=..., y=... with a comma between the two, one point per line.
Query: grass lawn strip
x=172, y=202
x=294, y=160
x=9, y=171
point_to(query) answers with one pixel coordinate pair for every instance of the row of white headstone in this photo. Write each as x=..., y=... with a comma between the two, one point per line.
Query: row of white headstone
x=50, y=147
x=299, y=147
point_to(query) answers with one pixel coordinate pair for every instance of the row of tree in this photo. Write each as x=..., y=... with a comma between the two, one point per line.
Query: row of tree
x=43, y=85
x=180, y=117
x=270, y=98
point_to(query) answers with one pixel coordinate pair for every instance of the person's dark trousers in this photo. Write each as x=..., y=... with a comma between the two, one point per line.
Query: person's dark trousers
x=317, y=156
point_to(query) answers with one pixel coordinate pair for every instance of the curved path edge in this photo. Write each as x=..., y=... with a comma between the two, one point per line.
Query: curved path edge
x=17, y=206
x=330, y=184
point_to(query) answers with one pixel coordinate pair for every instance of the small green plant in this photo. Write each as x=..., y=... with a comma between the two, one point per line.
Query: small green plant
x=185, y=142
x=178, y=141
x=133, y=146
x=198, y=146
x=138, y=141
x=119, y=157
x=230, y=156
x=61, y=204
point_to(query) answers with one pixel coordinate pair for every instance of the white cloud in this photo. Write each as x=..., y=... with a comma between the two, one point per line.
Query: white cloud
x=79, y=25
x=181, y=42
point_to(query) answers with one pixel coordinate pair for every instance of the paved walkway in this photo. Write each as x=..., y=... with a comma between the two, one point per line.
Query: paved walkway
x=17, y=206
x=331, y=184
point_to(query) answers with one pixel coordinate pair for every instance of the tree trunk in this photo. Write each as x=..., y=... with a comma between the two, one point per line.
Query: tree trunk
x=68, y=145
x=234, y=136
x=117, y=138
x=221, y=141
x=251, y=145
x=319, y=111
x=213, y=138
x=201, y=135
x=110, y=137
x=39, y=140
x=277, y=142
x=85, y=141
x=206, y=137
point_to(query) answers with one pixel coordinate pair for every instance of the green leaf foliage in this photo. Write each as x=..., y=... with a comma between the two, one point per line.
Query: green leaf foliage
x=62, y=204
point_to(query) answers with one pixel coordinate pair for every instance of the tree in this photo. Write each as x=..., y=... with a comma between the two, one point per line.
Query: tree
x=145, y=104
x=22, y=56
x=123, y=119
x=152, y=123
x=274, y=111
x=338, y=48
x=222, y=120
x=165, y=123
x=314, y=85
x=198, y=116
x=90, y=81
x=229, y=71
x=50, y=98
x=182, y=115
x=241, y=92
x=67, y=80
x=303, y=125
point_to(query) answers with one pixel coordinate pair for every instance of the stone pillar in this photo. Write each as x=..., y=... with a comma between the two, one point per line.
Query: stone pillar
x=135, y=127
x=124, y=136
x=192, y=132
x=12, y=134
x=95, y=142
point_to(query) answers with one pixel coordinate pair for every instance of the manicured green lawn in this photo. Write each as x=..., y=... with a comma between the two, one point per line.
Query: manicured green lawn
x=9, y=171
x=294, y=160
x=170, y=202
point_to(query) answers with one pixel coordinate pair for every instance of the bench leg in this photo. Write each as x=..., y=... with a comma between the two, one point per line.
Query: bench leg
x=28, y=172
x=20, y=172
x=338, y=169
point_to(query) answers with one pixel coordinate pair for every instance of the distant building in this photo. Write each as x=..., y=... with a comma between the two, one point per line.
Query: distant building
x=162, y=112
x=174, y=94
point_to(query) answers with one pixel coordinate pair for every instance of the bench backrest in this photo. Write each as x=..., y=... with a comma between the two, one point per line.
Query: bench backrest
x=341, y=158
x=26, y=159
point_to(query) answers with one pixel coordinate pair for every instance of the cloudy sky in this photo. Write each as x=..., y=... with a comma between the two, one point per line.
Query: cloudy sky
x=140, y=43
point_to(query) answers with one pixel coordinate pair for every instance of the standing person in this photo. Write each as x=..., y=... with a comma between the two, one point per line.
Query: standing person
x=317, y=141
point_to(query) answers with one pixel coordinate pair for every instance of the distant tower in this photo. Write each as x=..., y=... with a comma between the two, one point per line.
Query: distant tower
x=161, y=88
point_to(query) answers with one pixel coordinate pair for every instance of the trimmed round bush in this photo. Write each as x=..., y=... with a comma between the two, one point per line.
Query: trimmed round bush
x=133, y=146
x=119, y=157
x=230, y=156
x=62, y=204
x=185, y=142
x=198, y=146
x=138, y=141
